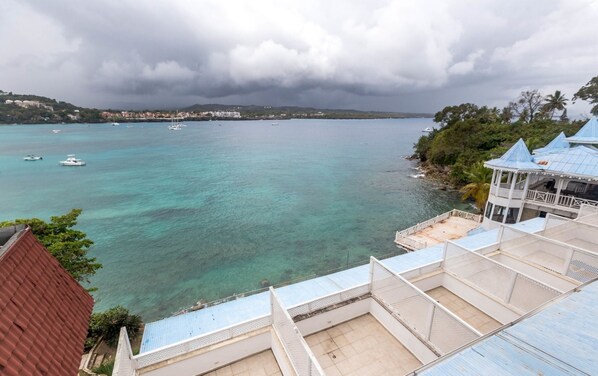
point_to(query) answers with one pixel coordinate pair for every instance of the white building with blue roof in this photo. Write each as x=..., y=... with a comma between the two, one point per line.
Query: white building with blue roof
x=557, y=178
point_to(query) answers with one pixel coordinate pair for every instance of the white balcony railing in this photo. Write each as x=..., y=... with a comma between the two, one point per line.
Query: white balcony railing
x=552, y=199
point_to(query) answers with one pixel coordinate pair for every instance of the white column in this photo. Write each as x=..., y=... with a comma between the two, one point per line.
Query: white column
x=559, y=187
x=523, y=197
x=512, y=176
x=493, y=182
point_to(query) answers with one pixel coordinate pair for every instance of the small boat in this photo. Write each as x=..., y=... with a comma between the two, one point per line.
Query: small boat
x=72, y=161
x=55, y=130
x=175, y=125
x=428, y=129
x=32, y=157
x=115, y=124
x=274, y=124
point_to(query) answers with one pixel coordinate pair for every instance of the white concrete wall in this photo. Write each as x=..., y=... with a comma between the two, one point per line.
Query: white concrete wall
x=548, y=278
x=284, y=363
x=428, y=283
x=336, y=316
x=481, y=301
x=422, y=352
x=213, y=357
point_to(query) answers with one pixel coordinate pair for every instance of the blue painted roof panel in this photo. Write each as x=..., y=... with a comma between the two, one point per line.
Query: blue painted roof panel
x=558, y=144
x=579, y=160
x=517, y=157
x=559, y=340
x=588, y=134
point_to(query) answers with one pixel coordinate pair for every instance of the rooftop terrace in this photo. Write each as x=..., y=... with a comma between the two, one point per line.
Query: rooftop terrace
x=388, y=317
x=454, y=224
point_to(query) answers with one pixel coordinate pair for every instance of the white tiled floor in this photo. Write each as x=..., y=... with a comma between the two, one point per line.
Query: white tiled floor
x=361, y=347
x=465, y=311
x=262, y=364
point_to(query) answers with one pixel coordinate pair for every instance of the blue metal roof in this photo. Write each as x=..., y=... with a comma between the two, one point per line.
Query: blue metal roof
x=179, y=328
x=561, y=339
x=517, y=157
x=588, y=134
x=578, y=160
x=559, y=143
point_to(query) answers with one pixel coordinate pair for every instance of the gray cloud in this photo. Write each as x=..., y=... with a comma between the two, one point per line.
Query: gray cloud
x=385, y=55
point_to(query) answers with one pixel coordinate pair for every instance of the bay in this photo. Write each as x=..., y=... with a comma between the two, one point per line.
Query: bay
x=218, y=207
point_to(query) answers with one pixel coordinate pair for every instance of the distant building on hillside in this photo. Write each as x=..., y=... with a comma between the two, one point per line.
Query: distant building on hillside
x=557, y=178
x=44, y=312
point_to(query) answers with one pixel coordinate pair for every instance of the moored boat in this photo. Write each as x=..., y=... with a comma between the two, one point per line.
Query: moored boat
x=32, y=157
x=72, y=161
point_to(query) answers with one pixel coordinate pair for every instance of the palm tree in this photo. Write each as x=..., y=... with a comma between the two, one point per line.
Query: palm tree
x=554, y=102
x=479, y=185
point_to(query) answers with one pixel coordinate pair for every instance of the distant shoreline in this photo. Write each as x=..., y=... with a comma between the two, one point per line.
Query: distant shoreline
x=221, y=119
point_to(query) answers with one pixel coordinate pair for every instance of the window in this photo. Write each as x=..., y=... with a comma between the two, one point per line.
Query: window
x=499, y=213
x=512, y=214
x=488, y=209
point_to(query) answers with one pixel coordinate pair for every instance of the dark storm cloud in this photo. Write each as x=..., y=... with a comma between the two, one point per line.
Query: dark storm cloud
x=393, y=55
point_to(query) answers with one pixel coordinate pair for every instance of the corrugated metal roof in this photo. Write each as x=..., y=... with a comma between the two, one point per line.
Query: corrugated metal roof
x=578, y=160
x=517, y=158
x=561, y=339
x=588, y=134
x=178, y=328
x=558, y=144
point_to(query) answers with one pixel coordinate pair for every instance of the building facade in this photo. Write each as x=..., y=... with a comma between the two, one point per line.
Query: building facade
x=557, y=179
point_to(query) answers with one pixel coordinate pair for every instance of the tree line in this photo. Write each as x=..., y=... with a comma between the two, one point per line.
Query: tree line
x=470, y=134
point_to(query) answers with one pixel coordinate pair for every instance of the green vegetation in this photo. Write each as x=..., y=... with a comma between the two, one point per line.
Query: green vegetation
x=43, y=110
x=67, y=245
x=105, y=368
x=107, y=324
x=479, y=188
x=589, y=92
x=470, y=135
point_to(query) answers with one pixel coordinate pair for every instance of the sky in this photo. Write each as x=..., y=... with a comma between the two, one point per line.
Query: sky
x=386, y=55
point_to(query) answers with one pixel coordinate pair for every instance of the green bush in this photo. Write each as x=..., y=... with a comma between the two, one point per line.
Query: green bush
x=105, y=368
x=108, y=324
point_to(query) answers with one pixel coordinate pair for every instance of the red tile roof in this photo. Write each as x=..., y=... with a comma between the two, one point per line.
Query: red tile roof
x=44, y=312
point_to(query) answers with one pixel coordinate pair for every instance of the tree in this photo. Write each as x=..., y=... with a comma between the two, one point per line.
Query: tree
x=528, y=105
x=67, y=245
x=107, y=325
x=554, y=102
x=479, y=185
x=589, y=92
x=450, y=115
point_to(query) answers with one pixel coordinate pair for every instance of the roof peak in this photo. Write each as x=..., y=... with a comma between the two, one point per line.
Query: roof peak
x=588, y=134
x=557, y=144
x=517, y=157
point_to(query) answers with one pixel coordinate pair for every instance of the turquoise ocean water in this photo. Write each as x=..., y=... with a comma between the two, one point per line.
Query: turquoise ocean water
x=213, y=209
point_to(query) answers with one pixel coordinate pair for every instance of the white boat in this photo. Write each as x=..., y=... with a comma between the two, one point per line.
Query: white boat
x=72, y=161
x=274, y=124
x=175, y=125
x=428, y=129
x=115, y=124
x=55, y=130
x=32, y=157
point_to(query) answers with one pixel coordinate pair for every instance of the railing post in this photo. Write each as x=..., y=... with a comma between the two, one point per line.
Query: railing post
x=430, y=321
x=510, y=293
x=568, y=262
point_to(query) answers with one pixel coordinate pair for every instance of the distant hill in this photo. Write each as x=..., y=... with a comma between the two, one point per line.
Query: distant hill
x=254, y=111
x=35, y=109
x=27, y=109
